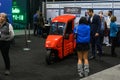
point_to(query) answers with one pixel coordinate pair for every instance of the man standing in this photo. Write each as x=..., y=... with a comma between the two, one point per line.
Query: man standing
x=35, y=22
x=40, y=24
x=95, y=25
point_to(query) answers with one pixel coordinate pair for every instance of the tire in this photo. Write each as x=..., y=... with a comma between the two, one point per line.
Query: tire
x=51, y=57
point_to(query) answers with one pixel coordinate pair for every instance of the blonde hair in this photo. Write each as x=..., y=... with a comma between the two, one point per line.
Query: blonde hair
x=113, y=18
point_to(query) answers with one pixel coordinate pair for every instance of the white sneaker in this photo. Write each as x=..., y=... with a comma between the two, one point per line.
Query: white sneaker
x=108, y=45
x=97, y=52
x=7, y=72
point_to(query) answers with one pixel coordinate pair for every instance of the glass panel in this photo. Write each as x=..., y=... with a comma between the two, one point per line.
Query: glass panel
x=57, y=28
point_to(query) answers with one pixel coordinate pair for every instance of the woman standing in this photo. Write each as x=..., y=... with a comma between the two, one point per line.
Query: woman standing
x=82, y=32
x=113, y=35
x=6, y=35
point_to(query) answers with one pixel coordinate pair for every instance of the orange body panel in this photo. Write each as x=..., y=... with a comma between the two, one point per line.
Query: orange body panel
x=64, y=18
x=53, y=41
x=63, y=46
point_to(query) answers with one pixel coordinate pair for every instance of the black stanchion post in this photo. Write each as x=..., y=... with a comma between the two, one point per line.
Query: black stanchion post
x=29, y=39
x=26, y=44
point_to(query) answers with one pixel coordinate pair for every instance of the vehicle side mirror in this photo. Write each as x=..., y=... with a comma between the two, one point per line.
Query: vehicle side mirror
x=66, y=36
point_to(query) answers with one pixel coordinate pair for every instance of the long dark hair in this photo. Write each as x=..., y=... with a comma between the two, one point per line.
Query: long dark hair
x=83, y=20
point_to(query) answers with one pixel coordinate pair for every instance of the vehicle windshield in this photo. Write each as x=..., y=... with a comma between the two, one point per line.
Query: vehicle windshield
x=57, y=28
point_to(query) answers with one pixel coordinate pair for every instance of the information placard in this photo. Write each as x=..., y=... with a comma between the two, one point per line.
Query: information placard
x=102, y=5
x=116, y=5
x=117, y=14
x=83, y=5
x=52, y=6
x=66, y=5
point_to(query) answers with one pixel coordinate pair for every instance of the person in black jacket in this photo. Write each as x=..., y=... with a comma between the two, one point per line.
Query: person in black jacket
x=95, y=25
x=6, y=35
x=36, y=23
x=40, y=24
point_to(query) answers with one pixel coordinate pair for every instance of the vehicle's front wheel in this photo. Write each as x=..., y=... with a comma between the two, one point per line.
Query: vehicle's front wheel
x=51, y=57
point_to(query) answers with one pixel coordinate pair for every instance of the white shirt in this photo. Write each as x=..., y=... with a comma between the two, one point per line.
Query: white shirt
x=108, y=21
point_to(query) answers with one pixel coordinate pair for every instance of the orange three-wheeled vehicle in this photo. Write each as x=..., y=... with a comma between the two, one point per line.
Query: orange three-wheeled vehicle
x=60, y=42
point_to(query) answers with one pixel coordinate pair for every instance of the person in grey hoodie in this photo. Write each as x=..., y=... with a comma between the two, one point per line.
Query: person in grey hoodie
x=6, y=35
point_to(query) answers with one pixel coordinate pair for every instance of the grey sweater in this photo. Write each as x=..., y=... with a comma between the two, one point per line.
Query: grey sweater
x=6, y=32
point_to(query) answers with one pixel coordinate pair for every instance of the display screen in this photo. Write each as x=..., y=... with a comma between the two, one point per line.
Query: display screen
x=19, y=11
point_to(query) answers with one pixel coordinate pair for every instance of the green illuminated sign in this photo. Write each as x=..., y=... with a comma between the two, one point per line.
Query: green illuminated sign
x=18, y=17
x=15, y=10
x=17, y=14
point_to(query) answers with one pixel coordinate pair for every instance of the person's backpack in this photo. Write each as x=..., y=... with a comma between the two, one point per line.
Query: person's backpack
x=118, y=38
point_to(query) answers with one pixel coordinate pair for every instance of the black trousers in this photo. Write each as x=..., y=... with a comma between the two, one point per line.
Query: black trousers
x=96, y=44
x=114, y=43
x=35, y=29
x=4, y=47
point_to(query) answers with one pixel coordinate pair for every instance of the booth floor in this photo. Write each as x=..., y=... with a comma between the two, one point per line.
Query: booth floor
x=31, y=65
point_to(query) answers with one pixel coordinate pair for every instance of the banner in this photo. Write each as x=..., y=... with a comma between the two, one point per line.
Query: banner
x=72, y=10
x=6, y=7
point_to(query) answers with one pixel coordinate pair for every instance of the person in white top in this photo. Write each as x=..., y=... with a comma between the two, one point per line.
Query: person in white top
x=107, y=38
x=6, y=35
